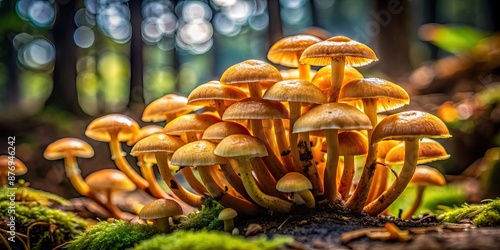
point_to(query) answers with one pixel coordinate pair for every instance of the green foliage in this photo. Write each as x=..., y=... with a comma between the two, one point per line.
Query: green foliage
x=116, y=234
x=26, y=194
x=207, y=218
x=209, y=240
x=482, y=215
x=48, y=227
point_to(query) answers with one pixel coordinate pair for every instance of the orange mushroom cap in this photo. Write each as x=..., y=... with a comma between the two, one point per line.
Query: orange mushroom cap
x=218, y=131
x=425, y=175
x=145, y=132
x=429, y=150
x=295, y=91
x=287, y=51
x=99, y=129
x=350, y=143
x=110, y=179
x=68, y=146
x=173, y=104
x=19, y=169
x=190, y=123
x=251, y=71
x=255, y=108
x=206, y=94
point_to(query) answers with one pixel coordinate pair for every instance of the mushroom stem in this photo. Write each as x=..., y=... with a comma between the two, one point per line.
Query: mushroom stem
x=220, y=107
x=266, y=180
x=188, y=172
x=304, y=71
x=379, y=183
x=338, y=64
x=347, y=176
x=228, y=225
x=186, y=196
x=303, y=159
x=307, y=197
x=147, y=172
x=267, y=201
x=115, y=211
x=332, y=160
x=226, y=200
x=118, y=157
x=370, y=109
x=358, y=197
x=392, y=193
x=416, y=203
x=162, y=224
x=73, y=174
x=234, y=180
x=282, y=143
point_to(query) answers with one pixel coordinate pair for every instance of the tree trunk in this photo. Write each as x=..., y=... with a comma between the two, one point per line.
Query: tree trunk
x=275, y=30
x=136, y=95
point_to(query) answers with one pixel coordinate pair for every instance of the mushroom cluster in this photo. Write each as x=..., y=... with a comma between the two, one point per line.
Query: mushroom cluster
x=259, y=139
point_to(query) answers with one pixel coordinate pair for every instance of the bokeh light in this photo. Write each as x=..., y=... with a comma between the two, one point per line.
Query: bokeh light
x=37, y=54
x=84, y=37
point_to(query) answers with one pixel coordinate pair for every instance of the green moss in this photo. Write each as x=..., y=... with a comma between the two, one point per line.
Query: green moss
x=209, y=240
x=26, y=194
x=207, y=218
x=115, y=234
x=482, y=215
x=48, y=227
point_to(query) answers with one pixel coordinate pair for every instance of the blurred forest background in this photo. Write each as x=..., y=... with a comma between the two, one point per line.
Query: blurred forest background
x=65, y=62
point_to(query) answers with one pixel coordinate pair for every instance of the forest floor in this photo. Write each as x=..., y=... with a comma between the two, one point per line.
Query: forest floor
x=329, y=226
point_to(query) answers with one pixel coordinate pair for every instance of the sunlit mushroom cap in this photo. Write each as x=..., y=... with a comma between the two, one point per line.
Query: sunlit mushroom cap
x=218, y=131
x=68, y=146
x=389, y=95
x=425, y=175
x=323, y=78
x=287, y=50
x=410, y=125
x=253, y=108
x=332, y=116
x=19, y=167
x=295, y=91
x=206, y=94
x=99, y=129
x=251, y=71
x=246, y=146
x=158, y=109
x=160, y=208
x=384, y=147
x=109, y=179
x=157, y=143
x=198, y=153
x=320, y=54
x=144, y=132
x=190, y=123
x=291, y=74
x=350, y=143
x=429, y=150
x=293, y=182
x=227, y=214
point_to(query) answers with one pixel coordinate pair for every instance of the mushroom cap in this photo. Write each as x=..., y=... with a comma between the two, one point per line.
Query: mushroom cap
x=190, y=123
x=198, y=153
x=409, y=125
x=19, y=169
x=251, y=71
x=160, y=208
x=323, y=78
x=245, y=146
x=109, y=179
x=389, y=95
x=218, y=131
x=287, y=50
x=99, y=129
x=253, y=108
x=291, y=74
x=350, y=143
x=145, y=132
x=158, y=109
x=425, y=175
x=332, y=116
x=157, y=143
x=321, y=54
x=227, y=214
x=206, y=94
x=295, y=91
x=384, y=147
x=68, y=146
x=293, y=182
x=429, y=150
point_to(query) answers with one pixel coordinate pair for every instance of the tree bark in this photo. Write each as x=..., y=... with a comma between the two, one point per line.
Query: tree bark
x=136, y=95
x=275, y=30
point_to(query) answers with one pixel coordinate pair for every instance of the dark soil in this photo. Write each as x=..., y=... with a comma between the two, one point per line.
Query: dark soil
x=323, y=226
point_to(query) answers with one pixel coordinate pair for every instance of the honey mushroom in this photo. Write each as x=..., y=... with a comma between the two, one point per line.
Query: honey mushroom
x=299, y=185
x=167, y=108
x=159, y=211
x=10, y=164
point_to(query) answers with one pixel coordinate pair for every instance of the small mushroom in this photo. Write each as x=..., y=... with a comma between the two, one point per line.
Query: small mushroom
x=167, y=108
x=424, y=176
x=214, y=94
x=10, y=164
x=227, y=215
x=300, y=186
x=159, y=211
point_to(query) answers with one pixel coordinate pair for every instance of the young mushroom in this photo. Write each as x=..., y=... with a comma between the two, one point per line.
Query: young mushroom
x=242, y=148
x=159, y=211
x=115, y=128
x=424, y=176
x=214, y=94
x=227, y=215
x=167, y=108
x=299, y=185
x=10, y=165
